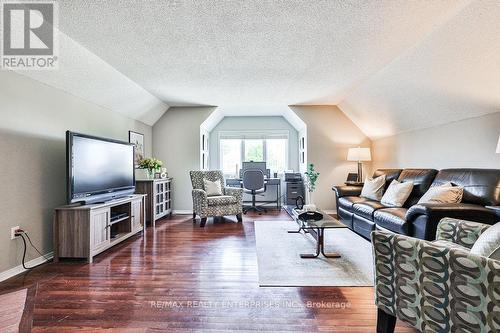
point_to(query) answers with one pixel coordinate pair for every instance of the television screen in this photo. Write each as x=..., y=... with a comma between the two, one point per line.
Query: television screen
x=98, y=167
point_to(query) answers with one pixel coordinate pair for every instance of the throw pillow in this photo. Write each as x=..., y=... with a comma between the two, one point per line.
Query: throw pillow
x=443, y=194
x=212, y=188
x=397, y=193
x=373, y=188
x=488, y=244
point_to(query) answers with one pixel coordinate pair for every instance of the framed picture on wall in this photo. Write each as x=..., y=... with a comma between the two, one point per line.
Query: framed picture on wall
x=138, y=140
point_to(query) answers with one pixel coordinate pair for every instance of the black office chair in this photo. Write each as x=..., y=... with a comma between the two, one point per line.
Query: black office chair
x=253, y=183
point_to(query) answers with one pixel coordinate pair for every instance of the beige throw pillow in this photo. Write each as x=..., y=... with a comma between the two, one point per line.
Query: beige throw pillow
x=488, y=244
x=445, y=193
x=373, y=188
x=396, y=194
x=212, y=188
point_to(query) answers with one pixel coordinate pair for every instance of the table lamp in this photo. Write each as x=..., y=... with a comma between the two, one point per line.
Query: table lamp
x=359, y=155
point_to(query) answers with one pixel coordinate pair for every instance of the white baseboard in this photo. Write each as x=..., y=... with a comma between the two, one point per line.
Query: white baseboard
x=19, y=269
x=330, y=211
x=182, y=212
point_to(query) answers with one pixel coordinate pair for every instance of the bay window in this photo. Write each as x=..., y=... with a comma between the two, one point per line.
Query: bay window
x=235, y=148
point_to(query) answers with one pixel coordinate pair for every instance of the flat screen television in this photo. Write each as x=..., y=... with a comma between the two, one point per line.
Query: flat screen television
x=98, y=169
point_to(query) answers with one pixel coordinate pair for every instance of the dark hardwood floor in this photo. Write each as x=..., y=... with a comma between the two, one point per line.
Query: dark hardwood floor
x=183, y=278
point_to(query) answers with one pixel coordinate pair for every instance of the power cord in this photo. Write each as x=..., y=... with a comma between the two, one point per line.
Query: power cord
x=23, y=233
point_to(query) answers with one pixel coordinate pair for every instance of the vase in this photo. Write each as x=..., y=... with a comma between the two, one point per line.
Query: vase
x=151, y=173
x=310, y=202
x=310, y=198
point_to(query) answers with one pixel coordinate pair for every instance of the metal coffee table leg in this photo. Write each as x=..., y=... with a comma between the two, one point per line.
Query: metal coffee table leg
x=320, y=247
x=318, y=250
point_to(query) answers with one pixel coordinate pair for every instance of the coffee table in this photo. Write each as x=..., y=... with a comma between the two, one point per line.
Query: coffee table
x=317, y=230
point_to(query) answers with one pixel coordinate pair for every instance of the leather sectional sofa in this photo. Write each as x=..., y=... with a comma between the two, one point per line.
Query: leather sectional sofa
x=481, y=188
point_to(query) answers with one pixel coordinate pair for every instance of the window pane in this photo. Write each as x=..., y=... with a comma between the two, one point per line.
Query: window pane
x=276, y=154
x=254, y=150
x=230, y=150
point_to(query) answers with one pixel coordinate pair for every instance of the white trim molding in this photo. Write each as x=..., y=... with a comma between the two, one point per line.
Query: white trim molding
x=182, y=212
x=263, y=135
x=20, y=269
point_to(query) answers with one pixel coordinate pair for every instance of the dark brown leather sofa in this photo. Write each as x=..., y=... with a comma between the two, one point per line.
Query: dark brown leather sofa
x=481, y=188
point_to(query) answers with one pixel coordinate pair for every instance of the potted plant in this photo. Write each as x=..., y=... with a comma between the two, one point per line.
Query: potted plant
x=311, y=179
x=152, y=165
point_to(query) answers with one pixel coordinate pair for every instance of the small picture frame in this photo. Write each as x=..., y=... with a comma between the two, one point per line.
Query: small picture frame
x=138, y=140
x=352, y=177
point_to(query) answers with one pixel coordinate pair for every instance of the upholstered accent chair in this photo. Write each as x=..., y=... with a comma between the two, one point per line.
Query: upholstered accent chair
x=436, y=286
x=229, y=203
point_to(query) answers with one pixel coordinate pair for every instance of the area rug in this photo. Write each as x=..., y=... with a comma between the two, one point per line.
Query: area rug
x=16, y=310
x=279, y=262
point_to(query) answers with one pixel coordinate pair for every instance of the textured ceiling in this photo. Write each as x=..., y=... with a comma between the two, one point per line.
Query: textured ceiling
x=453, y=74
x=392, y=65
x=83, y=74
x=250, y=52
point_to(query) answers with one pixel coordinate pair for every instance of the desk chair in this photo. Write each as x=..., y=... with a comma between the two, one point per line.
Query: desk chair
x=253, y=183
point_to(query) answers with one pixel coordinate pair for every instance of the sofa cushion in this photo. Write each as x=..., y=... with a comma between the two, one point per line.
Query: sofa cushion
x=345, y=217
x=392, y=219
x=362, y=226
x=347, y=202
x=488, y=244
x=373, y=188
x=221, y=200
x=396, y=194
x=446, y=193
x=367, y=208
x=481, y=186
x=213, y=188
x=422, y=180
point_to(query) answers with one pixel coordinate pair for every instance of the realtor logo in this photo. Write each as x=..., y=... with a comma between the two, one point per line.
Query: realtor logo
x=28, y=35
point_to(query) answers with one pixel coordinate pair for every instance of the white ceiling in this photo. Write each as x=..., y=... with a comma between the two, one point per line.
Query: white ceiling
x=252, y=110
x=384, y=61
x=83, y=74
x=453, y=74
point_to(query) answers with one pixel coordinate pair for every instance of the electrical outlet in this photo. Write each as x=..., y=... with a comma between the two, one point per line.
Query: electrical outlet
x=13, y=232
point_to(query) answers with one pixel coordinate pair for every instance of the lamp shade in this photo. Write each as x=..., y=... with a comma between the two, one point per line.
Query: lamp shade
x=498, y=145
x=359, y=154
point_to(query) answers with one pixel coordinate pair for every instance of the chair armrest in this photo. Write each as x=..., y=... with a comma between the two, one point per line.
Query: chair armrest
x=347, y=190
x=199, y=200
x=235, y=192
x=433, y=213
x=461, y=232
x=429, y=286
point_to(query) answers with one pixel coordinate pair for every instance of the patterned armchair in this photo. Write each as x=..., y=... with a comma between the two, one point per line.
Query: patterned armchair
x=230, y=203
x=436, y=286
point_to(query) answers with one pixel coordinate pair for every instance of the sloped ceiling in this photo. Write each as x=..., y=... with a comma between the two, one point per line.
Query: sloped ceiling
x=382, y=61
x=452, y=74
x=83, y=74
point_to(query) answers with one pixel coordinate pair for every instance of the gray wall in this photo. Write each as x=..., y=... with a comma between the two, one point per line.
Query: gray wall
x=467, y=143
x=255, y=124
x=176, y=138
x=329, y=135
x=176, y=141
x=35, y=118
